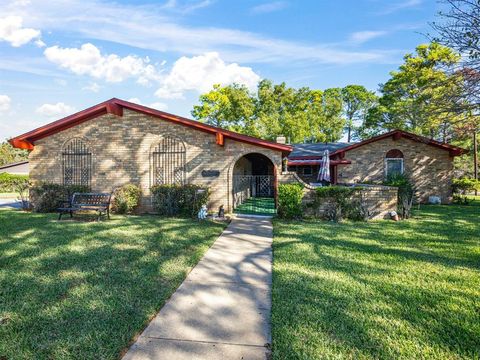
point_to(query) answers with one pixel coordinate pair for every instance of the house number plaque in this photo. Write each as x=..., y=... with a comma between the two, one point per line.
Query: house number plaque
x=210, y=173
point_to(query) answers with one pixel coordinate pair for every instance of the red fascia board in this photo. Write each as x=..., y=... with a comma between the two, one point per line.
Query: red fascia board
x=115, y=106
x=204, y=127
x=397, y=134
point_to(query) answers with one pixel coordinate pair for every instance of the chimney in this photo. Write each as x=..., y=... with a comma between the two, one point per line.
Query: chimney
x=281, y=139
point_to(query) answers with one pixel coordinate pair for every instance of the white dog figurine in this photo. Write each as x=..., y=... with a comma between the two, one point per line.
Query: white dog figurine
x=202, y=213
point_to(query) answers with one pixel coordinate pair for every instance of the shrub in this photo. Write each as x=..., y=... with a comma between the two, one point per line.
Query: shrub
x=47, y=197
x=179, y=200
x=8, y=182
x=290, y=198
x=126, y=199
x=341, y=203
x=461, y=187
x=406, y=192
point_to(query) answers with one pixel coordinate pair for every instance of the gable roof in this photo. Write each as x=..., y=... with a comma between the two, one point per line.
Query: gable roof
x=116, y=106
x=315, y=151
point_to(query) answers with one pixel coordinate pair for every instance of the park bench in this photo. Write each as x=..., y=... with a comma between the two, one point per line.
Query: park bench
x=99, y=202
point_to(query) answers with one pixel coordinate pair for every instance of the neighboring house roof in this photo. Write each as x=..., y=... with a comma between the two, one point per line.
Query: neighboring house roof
x=315, y=151
x=20, y=167
x=116, y=106
x=3, y=167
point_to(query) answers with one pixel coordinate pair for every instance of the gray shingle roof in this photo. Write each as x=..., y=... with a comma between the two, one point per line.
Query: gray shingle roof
x=316, y=149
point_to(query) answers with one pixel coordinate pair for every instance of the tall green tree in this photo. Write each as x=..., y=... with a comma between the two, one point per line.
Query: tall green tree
x=357, y=101
x=421, y=96
x=8, y=154
x=275, y=109
x=230, y=107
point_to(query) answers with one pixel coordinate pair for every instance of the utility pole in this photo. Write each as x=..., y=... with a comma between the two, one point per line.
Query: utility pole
x=475, y=157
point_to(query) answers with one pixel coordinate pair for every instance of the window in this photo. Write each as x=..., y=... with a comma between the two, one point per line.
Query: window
x=76, y=163
x=307, y=170
x=169, y=162
x=393, y=163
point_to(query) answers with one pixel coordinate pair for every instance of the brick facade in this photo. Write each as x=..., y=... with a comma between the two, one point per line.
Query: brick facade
x=429, y=167
x=121, y=150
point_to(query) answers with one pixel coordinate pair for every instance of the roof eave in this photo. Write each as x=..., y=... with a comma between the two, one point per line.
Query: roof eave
x=115, y=106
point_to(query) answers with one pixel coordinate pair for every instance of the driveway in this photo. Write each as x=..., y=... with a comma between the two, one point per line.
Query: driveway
x=222, y=309
x=9, y=203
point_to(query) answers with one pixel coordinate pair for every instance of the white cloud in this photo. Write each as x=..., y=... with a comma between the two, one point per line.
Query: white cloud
x=361, y=37
x=88, y=60
x=55, y=110
x=200, y=73
x=269, y=7
x=155, y=28
x=5, y=103
x=400, y=5
x=155, y=105
x=93, y=87
x=12, y=31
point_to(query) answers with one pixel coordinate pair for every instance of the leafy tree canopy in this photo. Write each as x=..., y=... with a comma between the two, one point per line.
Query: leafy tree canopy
x=421, y=96
x=8, y=154
x=299, y=114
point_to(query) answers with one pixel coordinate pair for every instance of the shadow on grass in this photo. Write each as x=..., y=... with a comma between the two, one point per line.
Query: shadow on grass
x=380, y=289
x=77, y=290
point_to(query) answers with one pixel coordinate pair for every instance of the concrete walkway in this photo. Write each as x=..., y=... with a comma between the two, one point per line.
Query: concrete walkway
x=222, y=309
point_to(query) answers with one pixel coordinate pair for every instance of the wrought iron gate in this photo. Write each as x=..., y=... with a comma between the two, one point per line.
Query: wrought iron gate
x=254, y=193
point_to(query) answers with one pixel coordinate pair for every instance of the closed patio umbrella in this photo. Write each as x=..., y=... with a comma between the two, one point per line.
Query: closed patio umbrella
x=324, y=171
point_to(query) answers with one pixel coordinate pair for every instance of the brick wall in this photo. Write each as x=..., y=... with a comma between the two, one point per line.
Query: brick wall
x=121, y=151
x=379, y=200
x=430, y=168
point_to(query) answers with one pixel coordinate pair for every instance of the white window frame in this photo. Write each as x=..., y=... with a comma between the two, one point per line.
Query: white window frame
x=396, y=159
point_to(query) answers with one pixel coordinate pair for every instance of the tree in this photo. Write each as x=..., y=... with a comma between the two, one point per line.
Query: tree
x=8, y=154
x=357, y=101
x=460, y=30
x=230, y=107
x=299, y=114
x=421, y=96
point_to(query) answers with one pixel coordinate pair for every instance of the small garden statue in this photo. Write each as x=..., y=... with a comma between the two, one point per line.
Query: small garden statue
x=202, y=213
x=221, y=212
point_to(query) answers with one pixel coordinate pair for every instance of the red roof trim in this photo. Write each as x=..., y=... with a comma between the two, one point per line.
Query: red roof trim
x=116, y=106
x=397, y=134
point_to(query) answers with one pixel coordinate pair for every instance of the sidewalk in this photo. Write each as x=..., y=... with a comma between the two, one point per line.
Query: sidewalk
x=222, y=309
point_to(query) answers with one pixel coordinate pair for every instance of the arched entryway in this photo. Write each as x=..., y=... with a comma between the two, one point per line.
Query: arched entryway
x=254, y=181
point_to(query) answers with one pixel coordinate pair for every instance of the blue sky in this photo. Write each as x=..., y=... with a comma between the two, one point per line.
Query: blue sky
x=58, y=57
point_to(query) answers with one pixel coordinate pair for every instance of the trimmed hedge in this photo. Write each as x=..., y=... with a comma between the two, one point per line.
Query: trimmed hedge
x=8, y=182
x=177, y=200
x=290, y=198
x=342, y=202
x=126, y=199
x=46, y=197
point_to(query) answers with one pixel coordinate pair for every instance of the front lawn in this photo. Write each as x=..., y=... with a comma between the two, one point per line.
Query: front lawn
x=379, y=290
x=82, y=290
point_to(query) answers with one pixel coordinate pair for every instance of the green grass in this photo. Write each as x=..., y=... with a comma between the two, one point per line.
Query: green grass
x=257, y=206
x=379, y=290
x=83, y=290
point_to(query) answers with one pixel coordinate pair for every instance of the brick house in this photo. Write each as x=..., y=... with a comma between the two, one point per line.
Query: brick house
x=118, y=142
x=427, y=162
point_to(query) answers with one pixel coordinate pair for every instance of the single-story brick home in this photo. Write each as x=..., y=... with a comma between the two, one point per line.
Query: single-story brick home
x=118, y=142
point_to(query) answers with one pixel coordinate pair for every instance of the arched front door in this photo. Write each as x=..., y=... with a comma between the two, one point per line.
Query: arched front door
x=254, y=185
